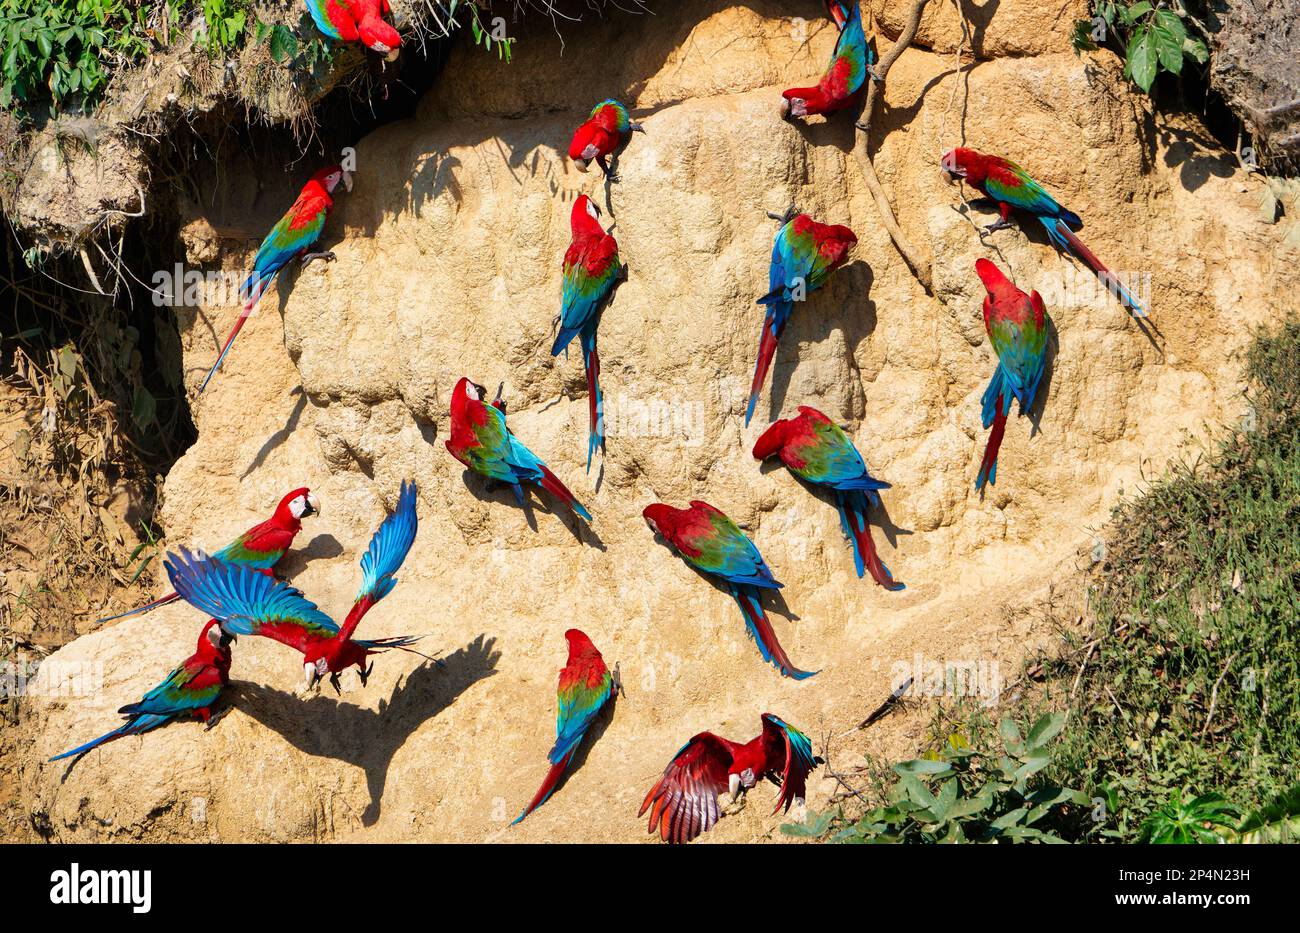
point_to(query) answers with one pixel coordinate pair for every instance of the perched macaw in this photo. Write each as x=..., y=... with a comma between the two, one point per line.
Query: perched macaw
x=591, y=269
x=249, y=603
x=711, y=542
x=818, y=451
x=685, y=801
x=1017, y=326
x=1010, y=186
x=804, y=255
x=260, y=547
x=606, y=131
x=190, y=690
x=585, y=687
x=295, y=232
x=481, y=441
x=850, y=63
x=357, y=21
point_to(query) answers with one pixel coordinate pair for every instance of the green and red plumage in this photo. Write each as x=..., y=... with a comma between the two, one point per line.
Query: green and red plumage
x=481, y=441
x=605, y=132
x=192, y=689
x=711, y=542
x=684, y=802
x=804, y=254
x=848, y=69
x=1018, y=329
x=591, y=270
x=1012, y=188
x=291, y=237
x=356, y=21
x=260, y=547
x=250, y=603
x=817, y=450
x=585, y=686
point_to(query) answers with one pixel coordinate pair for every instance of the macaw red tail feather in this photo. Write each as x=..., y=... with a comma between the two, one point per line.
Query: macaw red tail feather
x=551, y=483
x=865, y=548
x=547, y=788
x=764, y=635
x=258, y=289
x=989, y=468
x=595, y=402
x=766, y=350
x=169, y=598
x=1063, y=235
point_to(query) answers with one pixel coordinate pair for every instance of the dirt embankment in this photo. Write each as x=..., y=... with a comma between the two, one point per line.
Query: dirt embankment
x=448, y=264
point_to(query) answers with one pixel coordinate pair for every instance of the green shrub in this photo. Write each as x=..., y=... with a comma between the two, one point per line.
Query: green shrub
x=1152, y=37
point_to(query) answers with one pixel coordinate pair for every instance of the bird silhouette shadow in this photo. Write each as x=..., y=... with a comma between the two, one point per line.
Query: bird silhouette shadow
x=295, y=560
x=770, y=598
x=326, y=727
x=282, y=435
x=877, y=515
x=486, y=490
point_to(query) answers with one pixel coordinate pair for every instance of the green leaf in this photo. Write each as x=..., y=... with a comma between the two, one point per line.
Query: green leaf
x=284, y=44
x=1048, y=727
x=1136, y=11
x=1195, y=48
x=144, y=408
x=1142, y=59
x=1010, y=734
x=922, y=766
x=1169, y=35
x=1008, y=819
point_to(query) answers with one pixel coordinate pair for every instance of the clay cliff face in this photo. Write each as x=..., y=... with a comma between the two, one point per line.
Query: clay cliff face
x=448, y=264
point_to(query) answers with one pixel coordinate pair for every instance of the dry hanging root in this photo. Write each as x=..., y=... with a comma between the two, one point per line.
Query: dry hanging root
x=875, y=82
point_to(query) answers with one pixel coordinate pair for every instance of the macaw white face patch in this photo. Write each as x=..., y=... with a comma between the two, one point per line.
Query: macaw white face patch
x=297, y=506
x=592, y=210
x=472, y=391
x=590, y=152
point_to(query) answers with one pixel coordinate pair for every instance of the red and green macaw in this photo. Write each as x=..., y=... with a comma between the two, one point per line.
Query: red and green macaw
x=605, y=133
x=685, y=801
x=817, y=450
x=850, y=64
x=591, y=270
x=260, y=547
x=291, y=237
x=711, y=542
x=1017, y=326
x=1011, y=187
x=190, y=690
x=357, y=21
x=481, y=441
x=804, y=255
x=249, y=603
x=586, y=685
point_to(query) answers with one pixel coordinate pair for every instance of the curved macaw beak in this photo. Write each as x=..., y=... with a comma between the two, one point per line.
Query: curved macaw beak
x=347, y=180
x=227, y=639
x=785, y=109
x=582, y=164
x=311, y=507
x=733, y=785
x=309, y=671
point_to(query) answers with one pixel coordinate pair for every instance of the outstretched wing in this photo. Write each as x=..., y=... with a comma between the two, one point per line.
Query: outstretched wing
x=193, y=685
x=788, y=750
x=246, y=602
x=685, y=801
x=388, y=549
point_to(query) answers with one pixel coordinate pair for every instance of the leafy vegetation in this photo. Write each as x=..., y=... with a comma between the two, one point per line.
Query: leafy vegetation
x=960, y=794
x=1151, y=37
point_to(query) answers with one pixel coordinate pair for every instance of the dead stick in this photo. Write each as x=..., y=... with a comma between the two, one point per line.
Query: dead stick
x=875, y=82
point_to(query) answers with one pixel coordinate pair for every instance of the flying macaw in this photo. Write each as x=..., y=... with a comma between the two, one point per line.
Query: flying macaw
x=1017, y=326
x=295, y=232
x=249, y=603
x=357, y=21
x=818, y=451
x=606, y=132
x=685, y=801
x=711, y=542
x=585, y=687
x=481, y=441
x=191, y=689
x=850, y=64
x=260, y=547
x=804, y=255
x=1010, y=186
x=591, y=269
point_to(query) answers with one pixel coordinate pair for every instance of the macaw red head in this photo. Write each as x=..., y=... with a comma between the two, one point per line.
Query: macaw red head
x=330, y=176
x=661, y=518
x=835, y=242
x=296, y=506
x=772, y=440
x=580, y=645
x=990, y=275
x=214, y=641
x=377, y=35
x=585, y=217
x=467, y=391
x=963, y=163
x=801, y=102
x=583, y=148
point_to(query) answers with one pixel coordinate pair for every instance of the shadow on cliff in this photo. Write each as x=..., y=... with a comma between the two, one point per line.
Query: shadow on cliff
x=326, y=727
x=489, y=491
x=878, y=516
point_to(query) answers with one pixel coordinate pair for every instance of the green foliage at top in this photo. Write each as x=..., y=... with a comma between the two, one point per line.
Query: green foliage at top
x=1152, y=37
x=959, y=794
x=61, y=52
